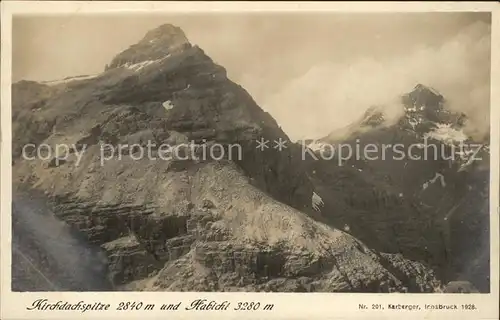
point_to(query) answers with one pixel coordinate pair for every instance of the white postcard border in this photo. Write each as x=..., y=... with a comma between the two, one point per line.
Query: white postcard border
x=286, y=305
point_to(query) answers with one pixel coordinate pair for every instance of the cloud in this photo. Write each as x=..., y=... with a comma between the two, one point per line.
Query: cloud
x=331, y=95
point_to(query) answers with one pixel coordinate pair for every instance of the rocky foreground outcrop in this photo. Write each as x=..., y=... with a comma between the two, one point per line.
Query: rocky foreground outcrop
x=245, y=222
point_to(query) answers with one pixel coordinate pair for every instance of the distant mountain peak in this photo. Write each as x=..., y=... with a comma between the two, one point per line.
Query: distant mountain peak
x=156, y=44
x=423, y=88
x=425, y=111
x=425, y=108
x=423, y=96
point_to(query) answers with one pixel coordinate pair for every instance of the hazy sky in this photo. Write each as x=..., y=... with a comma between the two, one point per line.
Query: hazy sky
x=313, y=73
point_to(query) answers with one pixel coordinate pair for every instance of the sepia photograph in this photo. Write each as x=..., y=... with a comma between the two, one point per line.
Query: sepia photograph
x=257, y=152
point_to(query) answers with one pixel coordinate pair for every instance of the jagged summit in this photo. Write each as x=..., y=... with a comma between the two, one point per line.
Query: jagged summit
x=423, y=98
x=425, y=109
x=425, y=114
x=420, y=88
x=156, y=44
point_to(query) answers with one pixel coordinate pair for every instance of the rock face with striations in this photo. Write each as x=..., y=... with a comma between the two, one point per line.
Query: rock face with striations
x=241, y=223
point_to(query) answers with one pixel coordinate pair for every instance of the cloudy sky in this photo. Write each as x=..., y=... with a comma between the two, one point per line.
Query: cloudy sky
x=314, y=73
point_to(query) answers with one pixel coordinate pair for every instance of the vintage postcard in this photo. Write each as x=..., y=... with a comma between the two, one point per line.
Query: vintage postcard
x=223, y=160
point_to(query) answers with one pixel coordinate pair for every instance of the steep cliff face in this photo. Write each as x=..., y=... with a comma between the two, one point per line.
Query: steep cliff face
x=242, y=222
x=422, y=192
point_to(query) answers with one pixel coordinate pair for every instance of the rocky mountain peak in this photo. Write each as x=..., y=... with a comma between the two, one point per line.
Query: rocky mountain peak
x=423, y=100
x=165, y=31
x=427, y=92
x=425, y=108
x=156, y=44
x=446, y=185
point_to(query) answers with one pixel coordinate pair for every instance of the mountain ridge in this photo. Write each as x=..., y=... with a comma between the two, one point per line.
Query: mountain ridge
x=183, y=224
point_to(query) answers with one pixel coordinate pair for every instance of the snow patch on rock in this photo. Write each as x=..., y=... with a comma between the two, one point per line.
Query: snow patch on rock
x=69, y=79
x=433, y=180
x=140, y=65
x=447, y=134
x=317, y=202
x=316, y=146
x=168, y=105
